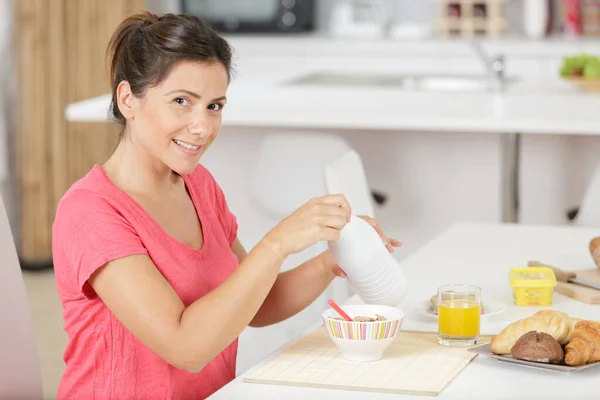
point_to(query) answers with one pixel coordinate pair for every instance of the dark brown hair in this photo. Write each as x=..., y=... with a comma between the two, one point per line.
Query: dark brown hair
x=144, y=49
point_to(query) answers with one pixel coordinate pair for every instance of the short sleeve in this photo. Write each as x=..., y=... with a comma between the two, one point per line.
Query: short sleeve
x=88, y=232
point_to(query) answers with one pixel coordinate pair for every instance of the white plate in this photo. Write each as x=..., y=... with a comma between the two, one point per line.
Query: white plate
x=491, y=307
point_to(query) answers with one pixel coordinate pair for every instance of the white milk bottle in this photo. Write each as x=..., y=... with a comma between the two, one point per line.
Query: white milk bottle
x=372, y=271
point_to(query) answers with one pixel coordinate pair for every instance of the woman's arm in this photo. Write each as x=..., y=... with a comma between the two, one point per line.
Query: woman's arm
x=294, y=290
x=189, y=338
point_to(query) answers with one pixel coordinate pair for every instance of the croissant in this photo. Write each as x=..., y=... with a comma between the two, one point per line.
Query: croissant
x=555, y=325
x=584, y=346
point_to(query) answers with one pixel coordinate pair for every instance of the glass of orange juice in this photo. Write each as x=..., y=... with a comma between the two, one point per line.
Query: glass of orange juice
x=459, y=315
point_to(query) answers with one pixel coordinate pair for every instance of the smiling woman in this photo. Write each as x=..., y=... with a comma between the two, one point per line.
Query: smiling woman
x=173, y=72
x=154, y=283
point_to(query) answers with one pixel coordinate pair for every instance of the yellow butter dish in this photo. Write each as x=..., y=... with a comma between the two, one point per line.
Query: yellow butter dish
x=532, y=286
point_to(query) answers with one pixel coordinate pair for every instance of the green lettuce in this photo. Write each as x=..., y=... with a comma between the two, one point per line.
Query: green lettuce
x=583, y=65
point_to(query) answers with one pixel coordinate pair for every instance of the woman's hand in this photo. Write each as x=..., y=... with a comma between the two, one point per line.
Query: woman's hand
x=319, y=219
x=389, y=244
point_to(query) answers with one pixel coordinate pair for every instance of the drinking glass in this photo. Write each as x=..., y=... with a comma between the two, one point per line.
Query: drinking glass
x=459, y=315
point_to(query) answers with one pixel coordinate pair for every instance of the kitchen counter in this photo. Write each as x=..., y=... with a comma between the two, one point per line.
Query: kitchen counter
x=262, y=95
x=553, y=107
x=265, y=94
x=479, y=254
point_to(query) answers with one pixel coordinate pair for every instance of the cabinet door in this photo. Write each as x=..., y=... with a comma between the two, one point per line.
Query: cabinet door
x=60, y=47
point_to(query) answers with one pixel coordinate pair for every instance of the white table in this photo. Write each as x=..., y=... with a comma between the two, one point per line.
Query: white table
x=480, y=254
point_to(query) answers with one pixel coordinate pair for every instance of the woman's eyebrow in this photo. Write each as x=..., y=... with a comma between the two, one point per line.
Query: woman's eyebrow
x=196, y=95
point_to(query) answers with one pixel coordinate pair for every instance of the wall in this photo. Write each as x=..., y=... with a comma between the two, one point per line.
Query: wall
x=404, y=11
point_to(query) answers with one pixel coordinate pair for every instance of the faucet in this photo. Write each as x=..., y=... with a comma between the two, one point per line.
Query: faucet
x=494, y=66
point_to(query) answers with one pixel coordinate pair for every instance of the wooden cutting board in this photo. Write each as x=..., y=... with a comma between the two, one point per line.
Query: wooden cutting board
x=414, y=364
x=582, y=293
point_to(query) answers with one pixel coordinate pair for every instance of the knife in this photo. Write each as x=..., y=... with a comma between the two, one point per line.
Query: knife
x=566, y=276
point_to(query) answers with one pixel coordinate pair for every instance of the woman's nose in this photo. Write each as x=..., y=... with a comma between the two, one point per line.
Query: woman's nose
x=200, y=127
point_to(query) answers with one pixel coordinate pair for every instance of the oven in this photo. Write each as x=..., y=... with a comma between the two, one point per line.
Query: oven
x=254, y=16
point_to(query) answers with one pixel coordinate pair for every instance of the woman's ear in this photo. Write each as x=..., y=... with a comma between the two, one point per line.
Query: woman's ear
x=125, y=99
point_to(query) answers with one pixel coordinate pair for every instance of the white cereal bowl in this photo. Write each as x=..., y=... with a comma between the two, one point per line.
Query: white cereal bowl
x=363, y=341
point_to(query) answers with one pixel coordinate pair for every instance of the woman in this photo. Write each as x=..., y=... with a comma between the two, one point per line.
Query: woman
x=155, y=285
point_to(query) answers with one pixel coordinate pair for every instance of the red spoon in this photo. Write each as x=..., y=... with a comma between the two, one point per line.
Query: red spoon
x=339, y=310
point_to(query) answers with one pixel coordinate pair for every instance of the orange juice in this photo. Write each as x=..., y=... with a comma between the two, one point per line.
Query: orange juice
x=459, y=318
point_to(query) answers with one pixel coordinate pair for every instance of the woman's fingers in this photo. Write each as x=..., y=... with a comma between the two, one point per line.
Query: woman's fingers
x=334, y=221
x=335, y=199
x=339, y=272
x=389, y=243
x=329, y=234
x=338, y=200
x=395, y=243
x=375, y=224
x=330, y=216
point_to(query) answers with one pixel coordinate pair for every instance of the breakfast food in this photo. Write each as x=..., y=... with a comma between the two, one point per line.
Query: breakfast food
x=538, y=347
x=434, y=308
x=595, y=250
x=370, y=319
x=584, y=346
x=555, y=323
x=537, y=338
x=366, y=319
x=572, y=321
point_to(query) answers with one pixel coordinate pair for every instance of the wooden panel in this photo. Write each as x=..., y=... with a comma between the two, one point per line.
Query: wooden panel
x=60, y=57
x=32, y=123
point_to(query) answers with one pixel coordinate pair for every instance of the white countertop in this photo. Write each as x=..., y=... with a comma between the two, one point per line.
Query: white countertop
x=526, y=108
x=480, y=254
x=260, y=94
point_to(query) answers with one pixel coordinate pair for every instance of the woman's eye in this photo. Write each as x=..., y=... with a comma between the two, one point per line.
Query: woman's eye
x=182, y=101
x=215, y=107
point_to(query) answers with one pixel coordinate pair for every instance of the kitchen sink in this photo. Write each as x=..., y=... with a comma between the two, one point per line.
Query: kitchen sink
x=416, y=82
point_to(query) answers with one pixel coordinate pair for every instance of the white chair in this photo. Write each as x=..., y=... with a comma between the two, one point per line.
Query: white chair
x=20, y=375
x=347, y=176
x=589, y=209
x=294, y=167
x=290, y=170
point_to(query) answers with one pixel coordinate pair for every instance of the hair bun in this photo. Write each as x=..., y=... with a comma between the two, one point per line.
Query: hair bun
x=148, y=19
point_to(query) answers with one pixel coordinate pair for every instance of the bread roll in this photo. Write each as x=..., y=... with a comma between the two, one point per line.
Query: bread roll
x=538, y=347
x=595, y=250
x=572, y=321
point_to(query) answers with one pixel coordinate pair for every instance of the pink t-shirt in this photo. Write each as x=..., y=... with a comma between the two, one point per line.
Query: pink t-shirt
x=96, y=222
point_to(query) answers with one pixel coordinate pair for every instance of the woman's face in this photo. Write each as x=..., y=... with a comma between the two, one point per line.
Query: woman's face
x=176, y=121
